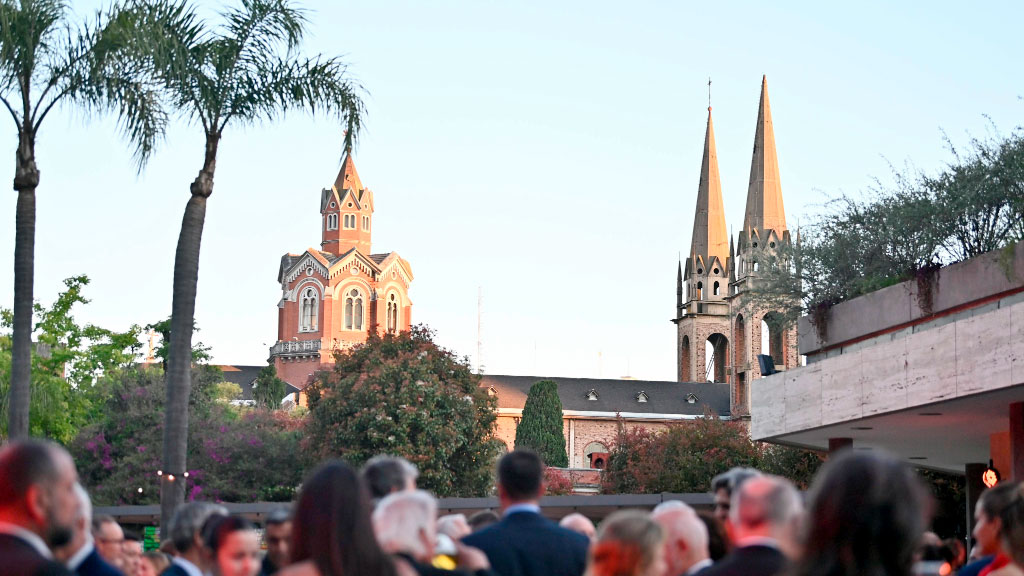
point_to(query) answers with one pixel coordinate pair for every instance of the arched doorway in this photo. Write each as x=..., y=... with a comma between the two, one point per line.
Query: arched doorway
x=716, y=354
x=739, y=361
x=595, y=455
x=773, y=337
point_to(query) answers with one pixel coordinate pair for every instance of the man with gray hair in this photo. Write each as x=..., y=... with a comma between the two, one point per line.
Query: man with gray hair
x=185, y=530
x=724, y=485
x=686, y=538
x=765, y=516
x=386, y=474
x=405, y=526
x=80, y=554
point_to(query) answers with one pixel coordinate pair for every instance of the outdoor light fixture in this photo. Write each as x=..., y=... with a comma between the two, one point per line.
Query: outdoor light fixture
x=990, y=477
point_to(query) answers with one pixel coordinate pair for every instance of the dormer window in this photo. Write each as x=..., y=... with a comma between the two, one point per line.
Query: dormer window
x=691, y=398
x=641, y=396
x=592, y=395
x=350, y=221
x=491, y=391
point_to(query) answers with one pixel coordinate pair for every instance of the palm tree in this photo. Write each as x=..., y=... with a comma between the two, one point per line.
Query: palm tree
x=45, y=61
x=245, y=70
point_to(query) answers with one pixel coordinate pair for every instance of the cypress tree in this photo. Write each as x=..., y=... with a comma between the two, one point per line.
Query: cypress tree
x=541, y=426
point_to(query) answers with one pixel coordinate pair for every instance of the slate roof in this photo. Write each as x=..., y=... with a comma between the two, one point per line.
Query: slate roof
x=378, y=258
x=244, y=376
x=615, y=395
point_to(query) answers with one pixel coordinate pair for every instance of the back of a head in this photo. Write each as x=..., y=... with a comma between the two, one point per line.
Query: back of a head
x=1012, y=518
x=188, y=522
x=386, y=474
x=733, y=478
x=680, y=522
x=627, y=543
x=400, y=518
x=332, y=527
x=520, y=474
x=24, y=463
x=578, y=523
x=482, y=519
x=764, y=501
x=866, y=515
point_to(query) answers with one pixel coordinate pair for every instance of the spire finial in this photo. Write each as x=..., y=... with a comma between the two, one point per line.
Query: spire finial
x=709, y=93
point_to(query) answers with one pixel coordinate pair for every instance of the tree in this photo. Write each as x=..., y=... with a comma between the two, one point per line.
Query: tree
x=540, y=429
x=46, y=60
x=68, y=363
x=245, y=70
x=404, y=395
x=686, y=456
x=269, y=390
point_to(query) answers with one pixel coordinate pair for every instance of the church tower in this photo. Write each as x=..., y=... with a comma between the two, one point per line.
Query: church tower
x=719, y=332
x=702, y=309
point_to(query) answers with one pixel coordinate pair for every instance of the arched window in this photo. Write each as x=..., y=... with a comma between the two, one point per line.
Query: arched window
x=392, y=317
x=715, y=289
x=332, y=221
x=684, y=360
x=354, y=310
x=700, y=290
x=308, y=308
x=350, y=221
x=595, y=455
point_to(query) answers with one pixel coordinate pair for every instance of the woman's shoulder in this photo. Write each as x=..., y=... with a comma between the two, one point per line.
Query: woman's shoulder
x=1010, y=569
x=304, y=568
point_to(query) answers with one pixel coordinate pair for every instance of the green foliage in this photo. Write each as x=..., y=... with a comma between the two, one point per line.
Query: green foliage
x=269, y=390
x=975, y=204
x=233, y=457
x=404, y=395
x=540, y=429
x=200, y=351
x=686, y=456
x=68, y=361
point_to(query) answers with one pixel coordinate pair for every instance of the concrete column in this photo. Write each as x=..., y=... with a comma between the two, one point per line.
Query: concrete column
x=974, y=489
x=1016, y=470
x=837, y=444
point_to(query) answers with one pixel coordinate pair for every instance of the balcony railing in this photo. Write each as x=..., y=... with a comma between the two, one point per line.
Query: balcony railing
x=295, y=348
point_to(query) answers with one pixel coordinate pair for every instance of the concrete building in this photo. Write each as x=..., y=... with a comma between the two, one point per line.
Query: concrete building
x=932, y=370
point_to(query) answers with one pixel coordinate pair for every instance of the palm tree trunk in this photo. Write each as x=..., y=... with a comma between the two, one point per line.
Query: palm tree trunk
x=26, y=179
x=179, y=360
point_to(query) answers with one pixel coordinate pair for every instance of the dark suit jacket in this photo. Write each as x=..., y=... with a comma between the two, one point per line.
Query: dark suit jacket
x=174, y=570
x=94, y=565
x=527, y=544
x=749, y=561
x=19, y=558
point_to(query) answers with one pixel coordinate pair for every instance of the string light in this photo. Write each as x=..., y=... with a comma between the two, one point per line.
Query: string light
x=140, y=489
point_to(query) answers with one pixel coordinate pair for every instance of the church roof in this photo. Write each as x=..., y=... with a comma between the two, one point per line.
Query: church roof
x=245, y=376
x=710, y=237
x=764, y=194
x=613, y=395
x=348, y=178
x=378, y=258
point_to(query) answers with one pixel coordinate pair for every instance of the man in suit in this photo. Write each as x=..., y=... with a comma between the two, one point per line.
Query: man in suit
x=108, y=536
x=524, y=543
x=186, y=530
x=765, y=515
x=686, y=538
x=37, y=506
x=80, y=555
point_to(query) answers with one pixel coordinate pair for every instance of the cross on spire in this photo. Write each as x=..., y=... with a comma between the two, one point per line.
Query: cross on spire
x=709, y=93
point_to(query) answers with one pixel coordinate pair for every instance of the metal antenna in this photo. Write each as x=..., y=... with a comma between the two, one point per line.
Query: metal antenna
x=709, y=93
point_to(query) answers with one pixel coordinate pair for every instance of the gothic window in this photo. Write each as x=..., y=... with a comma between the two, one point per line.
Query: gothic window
x=715, y=289
x=392, y=313
x=332, y=221
x=700, y=290
x=366, y=222
x=308, y=307
x=755, y=267
x=354, y=310
x=350, y=221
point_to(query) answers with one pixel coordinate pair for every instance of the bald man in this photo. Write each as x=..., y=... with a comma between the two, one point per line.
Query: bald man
x=765, y=515
x=579, y=523
x=686, y=538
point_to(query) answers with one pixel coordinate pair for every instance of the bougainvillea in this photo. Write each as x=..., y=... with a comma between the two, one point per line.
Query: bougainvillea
x=406, y=396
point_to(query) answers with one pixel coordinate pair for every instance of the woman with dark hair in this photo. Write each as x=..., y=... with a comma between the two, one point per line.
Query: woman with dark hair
x=332, y=534
x=999, y=529
x=866, y=515
x=234, y=545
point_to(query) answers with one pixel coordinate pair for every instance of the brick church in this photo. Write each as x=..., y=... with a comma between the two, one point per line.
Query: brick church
x=719, y=335
x=333, y=295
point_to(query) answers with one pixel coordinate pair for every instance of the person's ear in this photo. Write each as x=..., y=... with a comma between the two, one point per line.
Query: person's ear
x=37, y=502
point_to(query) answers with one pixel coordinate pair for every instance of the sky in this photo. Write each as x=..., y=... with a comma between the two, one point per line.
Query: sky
x=534, y=160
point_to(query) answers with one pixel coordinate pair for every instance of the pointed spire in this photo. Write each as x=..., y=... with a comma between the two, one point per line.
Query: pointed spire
x=709, y=233
x=764, y=194
x=679, y=288
x=348, y=178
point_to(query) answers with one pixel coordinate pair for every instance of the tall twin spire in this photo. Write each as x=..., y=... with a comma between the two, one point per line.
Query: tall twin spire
x=764, y=209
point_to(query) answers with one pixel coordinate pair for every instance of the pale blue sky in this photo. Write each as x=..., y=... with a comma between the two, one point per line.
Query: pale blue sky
x=547, y=152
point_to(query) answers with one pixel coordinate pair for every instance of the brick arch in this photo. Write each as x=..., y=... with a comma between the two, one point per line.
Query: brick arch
x=686, y=360
x=719, y=348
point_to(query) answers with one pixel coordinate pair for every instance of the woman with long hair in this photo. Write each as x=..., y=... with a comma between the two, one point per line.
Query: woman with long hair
x=866, y=515
x=999, y=529
x=234, y=544
x=332, y=534
x=628, y=543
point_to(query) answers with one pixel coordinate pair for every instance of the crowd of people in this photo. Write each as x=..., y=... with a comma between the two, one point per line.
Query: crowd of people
x=866, y=515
